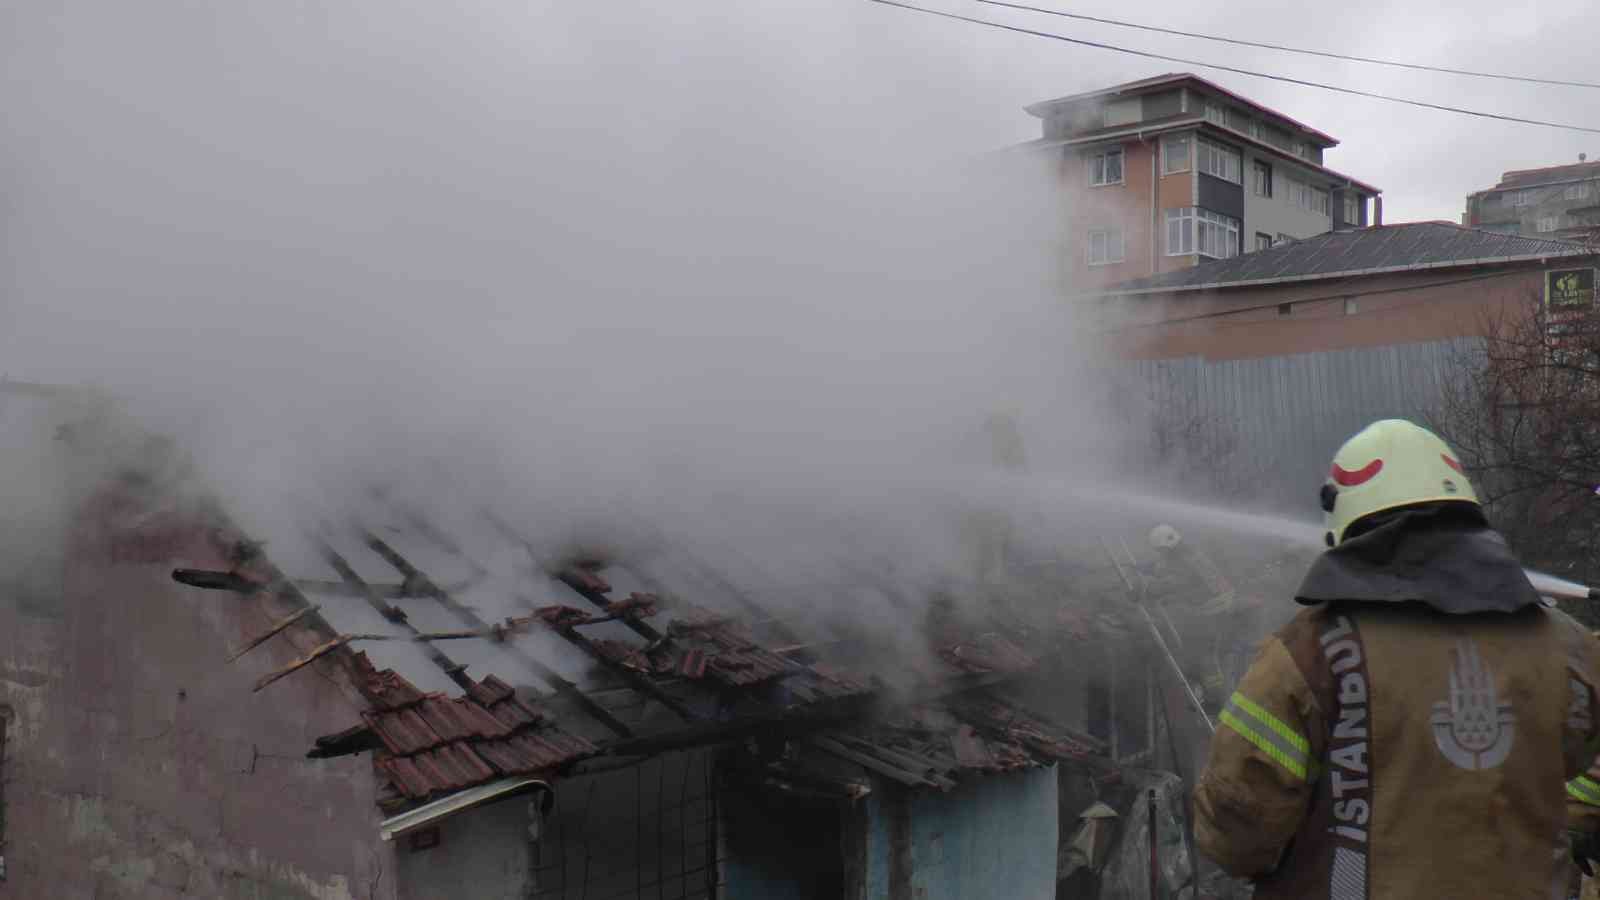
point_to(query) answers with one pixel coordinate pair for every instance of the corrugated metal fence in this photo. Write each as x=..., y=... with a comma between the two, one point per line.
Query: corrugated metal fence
x=1279, y=420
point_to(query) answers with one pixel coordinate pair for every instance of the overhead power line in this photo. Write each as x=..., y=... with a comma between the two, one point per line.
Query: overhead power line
x=1253, y=74
x=1266, y=46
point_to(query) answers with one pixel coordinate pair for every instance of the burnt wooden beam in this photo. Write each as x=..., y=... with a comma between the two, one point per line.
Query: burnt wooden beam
x=455, y=671
x=593, y=589
x=415, y=577
x=316, y=654
x=272, y=631
x=637, y=680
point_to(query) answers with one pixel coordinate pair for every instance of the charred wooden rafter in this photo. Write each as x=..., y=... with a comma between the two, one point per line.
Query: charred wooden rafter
x=415, y=578
x=452, y=669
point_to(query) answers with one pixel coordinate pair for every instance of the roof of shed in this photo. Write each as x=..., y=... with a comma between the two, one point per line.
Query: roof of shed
x=1357, y=251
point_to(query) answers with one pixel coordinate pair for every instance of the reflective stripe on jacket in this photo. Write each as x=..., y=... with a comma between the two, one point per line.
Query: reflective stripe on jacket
x=1397, y=752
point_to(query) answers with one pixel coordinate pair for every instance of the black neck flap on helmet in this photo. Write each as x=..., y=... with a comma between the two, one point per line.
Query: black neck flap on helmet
x=1443, y=555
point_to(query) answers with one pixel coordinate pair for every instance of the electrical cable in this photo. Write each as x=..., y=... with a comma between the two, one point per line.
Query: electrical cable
x=1286, y=49
x=1253, y=74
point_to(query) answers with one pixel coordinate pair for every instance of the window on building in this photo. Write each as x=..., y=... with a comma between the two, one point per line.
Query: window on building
x=1175, y=153
x=1180, y=231
x=1548, y=224
x=1218, y=234
x=1192, y=230
x=1263, y=241
x=1218, y=161
x=1350, y=306
x=1285, y=309
x=1105, y=246
x=1304, y=151
x=1352, y=208
x=1106, y=168
x=1308, y=197
x=1577, y=192
x=1519, y=198
x=1284, y=238
x=1261, y=182
x=1216, y=114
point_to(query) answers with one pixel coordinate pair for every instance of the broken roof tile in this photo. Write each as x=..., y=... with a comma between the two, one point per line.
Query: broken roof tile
x=403, y=731
x=513, y=714
x=460, y=719
x=388, y=690
x=490, y=690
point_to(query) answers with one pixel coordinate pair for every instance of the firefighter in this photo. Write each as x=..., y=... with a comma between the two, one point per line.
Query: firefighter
x=1583, y=825
x=1409, y=733
x=1217, y=627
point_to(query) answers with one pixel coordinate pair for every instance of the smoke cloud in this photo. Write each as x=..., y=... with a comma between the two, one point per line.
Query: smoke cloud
x=727, y=275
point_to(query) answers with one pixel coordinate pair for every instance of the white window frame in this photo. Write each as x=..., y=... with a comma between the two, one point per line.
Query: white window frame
x=1309, y=197
x=1201, y=231
x=1266, y=245
x=1187, y=138
x=1578, y=191
x=1098, y=165
x=1519, y=198
x=1219, y=161
x=1112, y=243
x=1352, y=208
x=1216, y=235
x=1217, y=114
x=1180, y=224
x=1547, y=224
x=1258, y=168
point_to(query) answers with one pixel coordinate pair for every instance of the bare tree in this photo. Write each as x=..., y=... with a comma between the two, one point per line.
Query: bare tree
x=1523, y=410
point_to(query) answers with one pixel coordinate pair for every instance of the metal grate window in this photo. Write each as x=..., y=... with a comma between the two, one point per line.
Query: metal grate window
x=646, y=832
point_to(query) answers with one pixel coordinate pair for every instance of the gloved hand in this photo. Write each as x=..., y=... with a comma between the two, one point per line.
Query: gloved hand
x=1585, y=850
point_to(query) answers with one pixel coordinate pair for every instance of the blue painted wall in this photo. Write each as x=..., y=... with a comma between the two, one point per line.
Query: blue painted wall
x=990, y=837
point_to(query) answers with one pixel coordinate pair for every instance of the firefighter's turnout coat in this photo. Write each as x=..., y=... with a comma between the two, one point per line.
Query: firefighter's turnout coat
x=1411, y=733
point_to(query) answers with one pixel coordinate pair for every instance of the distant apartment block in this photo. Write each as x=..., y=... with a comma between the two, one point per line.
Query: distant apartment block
x=1555, y=202
x=1162, y=173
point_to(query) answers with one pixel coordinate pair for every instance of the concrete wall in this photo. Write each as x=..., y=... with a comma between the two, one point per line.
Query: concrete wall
x=1278, y=214
x=1412, y=307
x=485, y=853
x=990, y=837
x=139, y=764
x=1125, y=205
x=1490, y=210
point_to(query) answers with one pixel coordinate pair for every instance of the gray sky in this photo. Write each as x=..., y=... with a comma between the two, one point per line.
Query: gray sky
x=1426, y=161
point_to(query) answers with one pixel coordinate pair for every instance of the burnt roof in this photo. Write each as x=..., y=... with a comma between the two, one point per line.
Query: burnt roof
x=1358, y=251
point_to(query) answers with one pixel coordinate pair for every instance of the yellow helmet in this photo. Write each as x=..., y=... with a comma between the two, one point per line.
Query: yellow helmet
x=1387, y=465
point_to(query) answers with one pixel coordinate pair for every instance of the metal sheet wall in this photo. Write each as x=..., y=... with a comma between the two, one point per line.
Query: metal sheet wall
x=1281, y=418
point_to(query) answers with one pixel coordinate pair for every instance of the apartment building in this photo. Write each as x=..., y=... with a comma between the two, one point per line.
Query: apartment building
x=1561, y=202
x=1160, y=174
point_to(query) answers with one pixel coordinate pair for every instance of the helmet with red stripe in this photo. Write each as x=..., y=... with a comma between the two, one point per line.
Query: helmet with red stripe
x=1388, y=465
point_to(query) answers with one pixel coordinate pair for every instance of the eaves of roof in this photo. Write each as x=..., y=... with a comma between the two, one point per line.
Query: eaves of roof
x=1178, y=123
x=1147, y=85
x=1347, y=273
